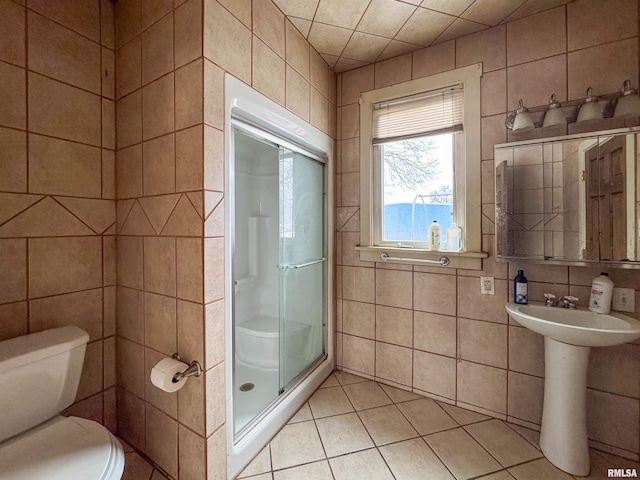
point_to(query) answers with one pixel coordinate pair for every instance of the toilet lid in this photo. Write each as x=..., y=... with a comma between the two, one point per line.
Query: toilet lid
x=64, y=448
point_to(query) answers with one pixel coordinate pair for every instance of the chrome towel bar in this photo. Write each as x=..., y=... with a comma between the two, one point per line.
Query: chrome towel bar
x=301, y=265
x=444, y=261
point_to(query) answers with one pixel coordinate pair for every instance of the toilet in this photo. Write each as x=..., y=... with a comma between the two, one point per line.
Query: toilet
x=39, y=377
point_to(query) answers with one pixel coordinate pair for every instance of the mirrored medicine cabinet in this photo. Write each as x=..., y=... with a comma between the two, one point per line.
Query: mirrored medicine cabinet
x=571, y=200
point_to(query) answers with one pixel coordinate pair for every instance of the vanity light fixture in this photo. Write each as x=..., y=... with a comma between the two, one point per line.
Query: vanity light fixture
x=554, y=115
x=520, y=120
x=629, y=104
x=590, y=108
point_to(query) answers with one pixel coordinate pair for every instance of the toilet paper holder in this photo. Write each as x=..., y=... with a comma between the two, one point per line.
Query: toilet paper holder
x=194, y=370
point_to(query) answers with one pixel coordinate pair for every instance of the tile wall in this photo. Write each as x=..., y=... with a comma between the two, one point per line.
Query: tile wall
x=57, y=183
x=429, y=329
x=171, y=58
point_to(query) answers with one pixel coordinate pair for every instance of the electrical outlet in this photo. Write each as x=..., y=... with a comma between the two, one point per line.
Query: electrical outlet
x=486, y=286
x=624, y=299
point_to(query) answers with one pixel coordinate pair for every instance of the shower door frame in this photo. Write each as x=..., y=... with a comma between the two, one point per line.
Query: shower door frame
x=248, y=106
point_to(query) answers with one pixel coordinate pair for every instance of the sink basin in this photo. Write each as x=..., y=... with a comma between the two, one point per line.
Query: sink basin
x=568, y=338
x=580, y=327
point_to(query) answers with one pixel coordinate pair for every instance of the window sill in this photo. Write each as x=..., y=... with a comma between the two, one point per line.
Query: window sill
x=427, y=258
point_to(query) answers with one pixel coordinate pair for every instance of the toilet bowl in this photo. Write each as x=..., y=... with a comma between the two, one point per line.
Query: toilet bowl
x=39, y=377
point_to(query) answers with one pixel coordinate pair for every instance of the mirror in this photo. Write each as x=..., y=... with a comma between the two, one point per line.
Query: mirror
x=571, y=199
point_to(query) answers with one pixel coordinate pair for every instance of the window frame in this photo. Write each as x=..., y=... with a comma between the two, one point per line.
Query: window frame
x=467, y=194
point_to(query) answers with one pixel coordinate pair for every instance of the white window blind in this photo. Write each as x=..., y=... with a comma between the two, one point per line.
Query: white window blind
x=432, y=112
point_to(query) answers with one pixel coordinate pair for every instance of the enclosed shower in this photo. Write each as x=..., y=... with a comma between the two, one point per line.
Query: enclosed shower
x=278, y=349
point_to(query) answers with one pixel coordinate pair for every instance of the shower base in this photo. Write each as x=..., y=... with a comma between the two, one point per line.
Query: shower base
x=248, y=404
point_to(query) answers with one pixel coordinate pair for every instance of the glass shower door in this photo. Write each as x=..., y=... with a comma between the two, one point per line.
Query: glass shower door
x=302, y=264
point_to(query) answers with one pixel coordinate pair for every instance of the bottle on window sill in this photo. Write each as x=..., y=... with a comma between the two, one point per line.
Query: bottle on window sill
x=454, y=236
x=434, y=236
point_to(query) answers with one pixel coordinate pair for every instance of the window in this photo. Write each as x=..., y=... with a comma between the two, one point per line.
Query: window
x=420, y=162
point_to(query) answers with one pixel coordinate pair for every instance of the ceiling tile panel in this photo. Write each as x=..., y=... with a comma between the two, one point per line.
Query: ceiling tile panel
x=460, y=28
x=298, y=8
x=424, y=26
x=365, y=47
x=491, y=12
x=341, y=13
x=345, y=64
x=329, y=39
x=397, y=48
x=535, y=6
x=385, y=17
x=452, y=7
x=302, y=25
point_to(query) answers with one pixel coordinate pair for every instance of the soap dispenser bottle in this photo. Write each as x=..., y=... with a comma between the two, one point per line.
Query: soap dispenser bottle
x=601, y=294
x=520, y=289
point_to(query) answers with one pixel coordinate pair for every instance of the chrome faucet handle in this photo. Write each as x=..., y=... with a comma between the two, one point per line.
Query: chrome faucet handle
x=550, y=299
x=570, y=301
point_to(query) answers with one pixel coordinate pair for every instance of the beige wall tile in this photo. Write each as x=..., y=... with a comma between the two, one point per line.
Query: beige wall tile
x=131, y=419
x=392, y=71
x=63, y=111
x=107, y=27
x=434, y=374
x=482, y=386
x=128, y=22
x=160, y=323
x=435, y=333
x=215, y=398
x=82, y=17
x=268, y=24
x=436, y=293
x=130, y=262
x=297, y=50
x=359, y=319
x=158, y=165
x=131, y=367
x=526, y=351
x=603, y=67
x=189, y=256
x=13, y=270
x=213, y=96
x=13, y=106
x=158, y=107
x=129, y=120
x=616, y=370
x=493, y=133
x=160, y=265
x=320, y=74
x=483, y=342
x=152, y=10
x=350, y=123
x=356, y=81
x=494, y=92
x=213, y=159
x=394, y=363
x=157, y=49
x=162, y=440
x=216, y=455
x=550, y=25
x=188, y=32
x=62, y=54
x=359, y=354
x=191, y=330
x=58, y=265
x=394, y=288
x=268, y=72
x=129, y=67
x=192, y=455
x=358, y=284
x=189, y=95
x=109, y=73
x=472, y=305
x=13, y=161
x=129, y=172
x=13, y=320
x=350, y=189
x=189, y=159
x=227, y=42
x=613, y=419
x=92, y=372
x=593, y=23
x=394, y=325
x=109, y=311
x=214, y=333
x=64, y=168
x=488, y=47
x=436, y=59
x=297, y=94
x=130, y=314
x=526, y=394
x=535, y=81
x=108, y=124
x=12, y=22
x=214, y=269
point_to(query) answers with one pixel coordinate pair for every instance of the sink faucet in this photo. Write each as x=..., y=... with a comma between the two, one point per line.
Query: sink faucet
x=569, y=301
x=550, y=300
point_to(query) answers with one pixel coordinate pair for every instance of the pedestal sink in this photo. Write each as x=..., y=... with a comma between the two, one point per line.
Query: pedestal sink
x=568, y=338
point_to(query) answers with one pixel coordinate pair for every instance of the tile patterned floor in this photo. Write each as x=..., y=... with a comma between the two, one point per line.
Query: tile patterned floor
x=354, y=429
x=136, y=467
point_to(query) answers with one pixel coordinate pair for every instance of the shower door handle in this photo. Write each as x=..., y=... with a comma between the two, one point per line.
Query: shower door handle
x=301, y=265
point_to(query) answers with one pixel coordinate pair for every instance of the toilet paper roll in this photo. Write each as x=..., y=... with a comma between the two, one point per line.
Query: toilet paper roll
x=162, y=374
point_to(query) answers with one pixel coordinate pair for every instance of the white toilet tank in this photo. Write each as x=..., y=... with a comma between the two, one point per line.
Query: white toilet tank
x=39, y=376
